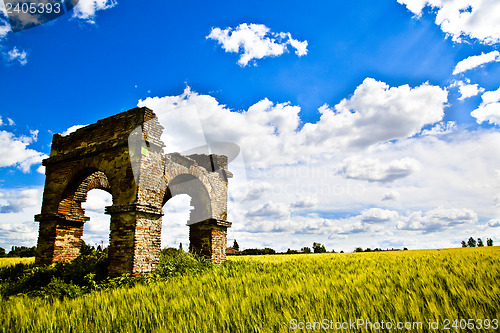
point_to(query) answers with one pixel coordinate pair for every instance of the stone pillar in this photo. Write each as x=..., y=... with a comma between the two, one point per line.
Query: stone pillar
x=59, y=238
x=134, y=240
x=208, y=238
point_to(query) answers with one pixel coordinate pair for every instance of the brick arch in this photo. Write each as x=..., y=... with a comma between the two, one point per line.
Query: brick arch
x=196, y=189
x=123, y=155
x=77, y=189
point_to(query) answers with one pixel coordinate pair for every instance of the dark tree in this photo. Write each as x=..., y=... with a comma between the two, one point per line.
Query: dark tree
x=236, y=246
x=464, y=244
x=2, y=252
x=480, y=242
x=306, y=249
x=358, y=249
x=86, y=249
x=266, y=250
x=318, y=248
x=405, y=249
x=489, y=242
x=368, y=249
x=471, y=242
x=22, y=251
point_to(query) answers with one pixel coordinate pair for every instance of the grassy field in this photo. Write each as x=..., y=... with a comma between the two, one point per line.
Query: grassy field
x=12, y=261
x=279, y=293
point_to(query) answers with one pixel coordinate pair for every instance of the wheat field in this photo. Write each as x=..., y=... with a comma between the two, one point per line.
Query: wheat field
x=283, y=293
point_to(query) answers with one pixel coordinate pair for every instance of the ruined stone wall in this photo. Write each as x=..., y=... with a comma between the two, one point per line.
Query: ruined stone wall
x=123, y=155
x=208, y=238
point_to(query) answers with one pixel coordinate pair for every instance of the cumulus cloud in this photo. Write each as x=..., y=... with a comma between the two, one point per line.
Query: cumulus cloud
x=86, y=9
x=256, y=190
x=4, y=23
x=467, y=89
x=461, y=19
x=373, y=170
x=269, y=133
x=437, y=219
x=489, y=109
x=391, y=195
x=19, y=234
x=310, y=202
x=441, y=128
x=15, y=55
x=378, y=215
x=271, y=210
x=378, y=113
x=256, y=41
x=476, y=61
x=97, y=200
x=14, y=151
x=72, y=129
x=494, y=223
x=16, y=201
x=261, y=131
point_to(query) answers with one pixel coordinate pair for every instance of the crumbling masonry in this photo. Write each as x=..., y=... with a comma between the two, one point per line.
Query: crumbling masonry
x=123, y=155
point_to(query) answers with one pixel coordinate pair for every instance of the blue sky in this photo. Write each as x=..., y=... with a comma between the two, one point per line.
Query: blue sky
x=388, y=111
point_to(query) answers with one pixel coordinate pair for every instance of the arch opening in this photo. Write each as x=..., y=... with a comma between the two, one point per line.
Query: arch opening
x=96, y=230
x=176, y=215
x=76, y=192
x=194, y=188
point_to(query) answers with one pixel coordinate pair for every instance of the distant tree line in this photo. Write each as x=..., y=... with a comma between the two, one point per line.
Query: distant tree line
x=266, y=250
x=19, y=251
x=316, y=248
x=360, y=249
x=472, y=242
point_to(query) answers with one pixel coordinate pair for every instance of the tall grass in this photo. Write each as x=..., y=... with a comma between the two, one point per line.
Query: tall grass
x=13, y=261
x=264, y=293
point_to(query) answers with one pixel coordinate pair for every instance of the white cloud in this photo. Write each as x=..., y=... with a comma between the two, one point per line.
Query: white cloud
x=305, y=203
x=14, y=151
x=391, y=195
x=489, y=109
x=477, y=19
x=373, y=170
x=271, y=210
x=257, y=190
x=4, y=23
x=97, y=200
x=378, y=215
x=18, y=234
x=466, y=89
x=16, y=55
x=256, y=41
x=86, y=9
x=476, y=61
x=16, y=201
x=4, y=28
x=494, y=223
x=378, y=113
x=11, y=122
x=72, y=129
x=437, y=219
x=441, y=128
x=270, y=133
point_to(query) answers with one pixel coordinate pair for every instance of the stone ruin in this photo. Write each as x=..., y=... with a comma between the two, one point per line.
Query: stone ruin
x=123, y=155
